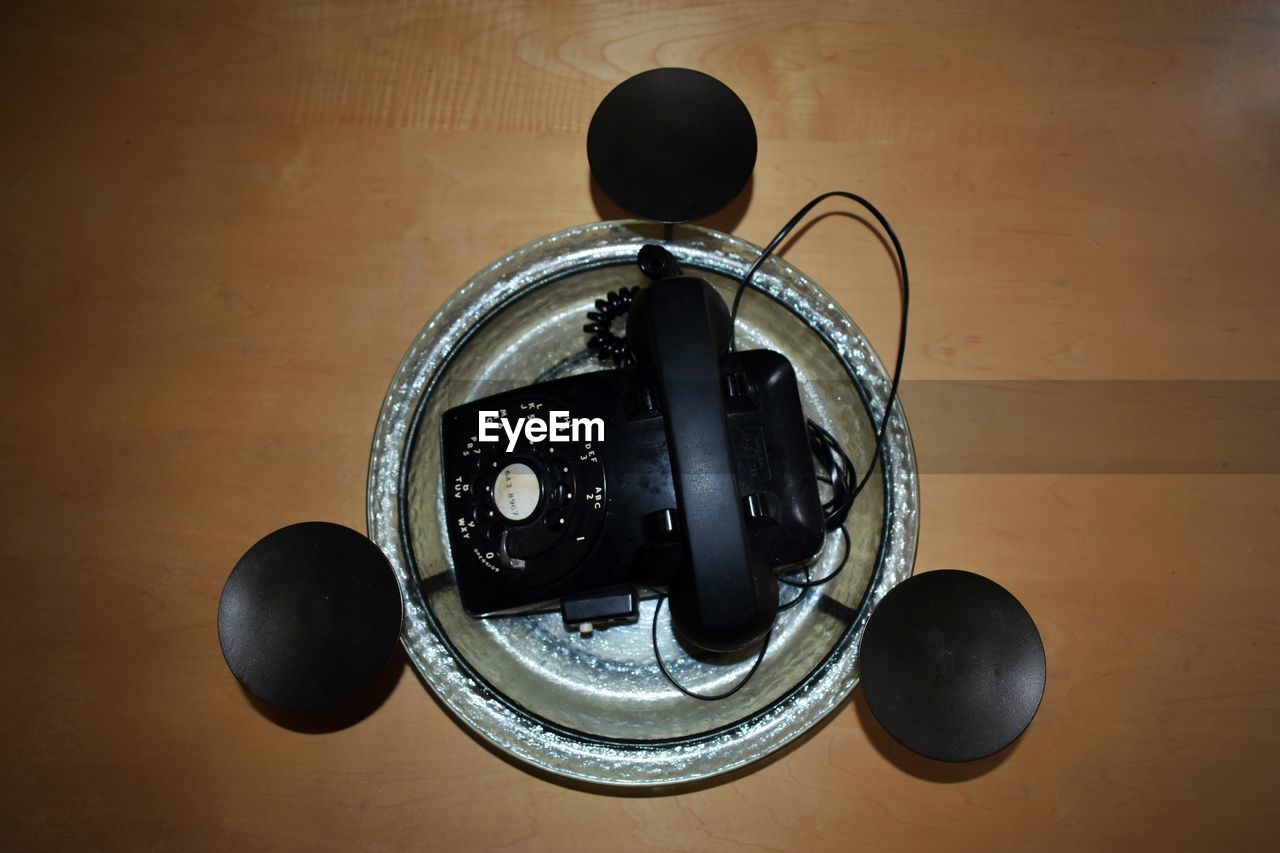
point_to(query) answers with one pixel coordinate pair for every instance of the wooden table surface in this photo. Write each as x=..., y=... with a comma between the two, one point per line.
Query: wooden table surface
x=223, y=223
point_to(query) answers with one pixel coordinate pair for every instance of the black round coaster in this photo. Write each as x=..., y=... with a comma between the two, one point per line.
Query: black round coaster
x=672, y=145
x=952, y=665
x=309, y=616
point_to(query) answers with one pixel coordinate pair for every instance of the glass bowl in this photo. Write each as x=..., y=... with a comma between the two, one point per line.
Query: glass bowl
x=597, y=708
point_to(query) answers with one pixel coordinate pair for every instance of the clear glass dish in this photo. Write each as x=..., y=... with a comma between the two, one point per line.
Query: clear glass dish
x=596, y=708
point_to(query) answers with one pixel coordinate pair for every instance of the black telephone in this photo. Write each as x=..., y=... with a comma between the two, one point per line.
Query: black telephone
x=697, y=481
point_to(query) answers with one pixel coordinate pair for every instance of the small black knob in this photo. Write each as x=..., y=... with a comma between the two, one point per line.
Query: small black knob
x=657, y=263
x=662, y=526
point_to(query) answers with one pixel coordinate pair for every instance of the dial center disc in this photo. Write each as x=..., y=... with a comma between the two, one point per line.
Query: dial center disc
x=516, y=491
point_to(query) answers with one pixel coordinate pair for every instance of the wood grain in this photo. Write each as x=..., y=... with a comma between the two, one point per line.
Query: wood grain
x=221, y=223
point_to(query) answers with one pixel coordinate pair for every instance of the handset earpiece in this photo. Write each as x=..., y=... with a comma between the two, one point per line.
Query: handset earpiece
x=724, y=598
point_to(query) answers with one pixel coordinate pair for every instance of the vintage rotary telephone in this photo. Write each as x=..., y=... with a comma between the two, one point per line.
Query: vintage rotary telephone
x=703, y=488
x=699, y=482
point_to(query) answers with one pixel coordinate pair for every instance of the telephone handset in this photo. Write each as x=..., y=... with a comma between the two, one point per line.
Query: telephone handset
x=726, y=597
